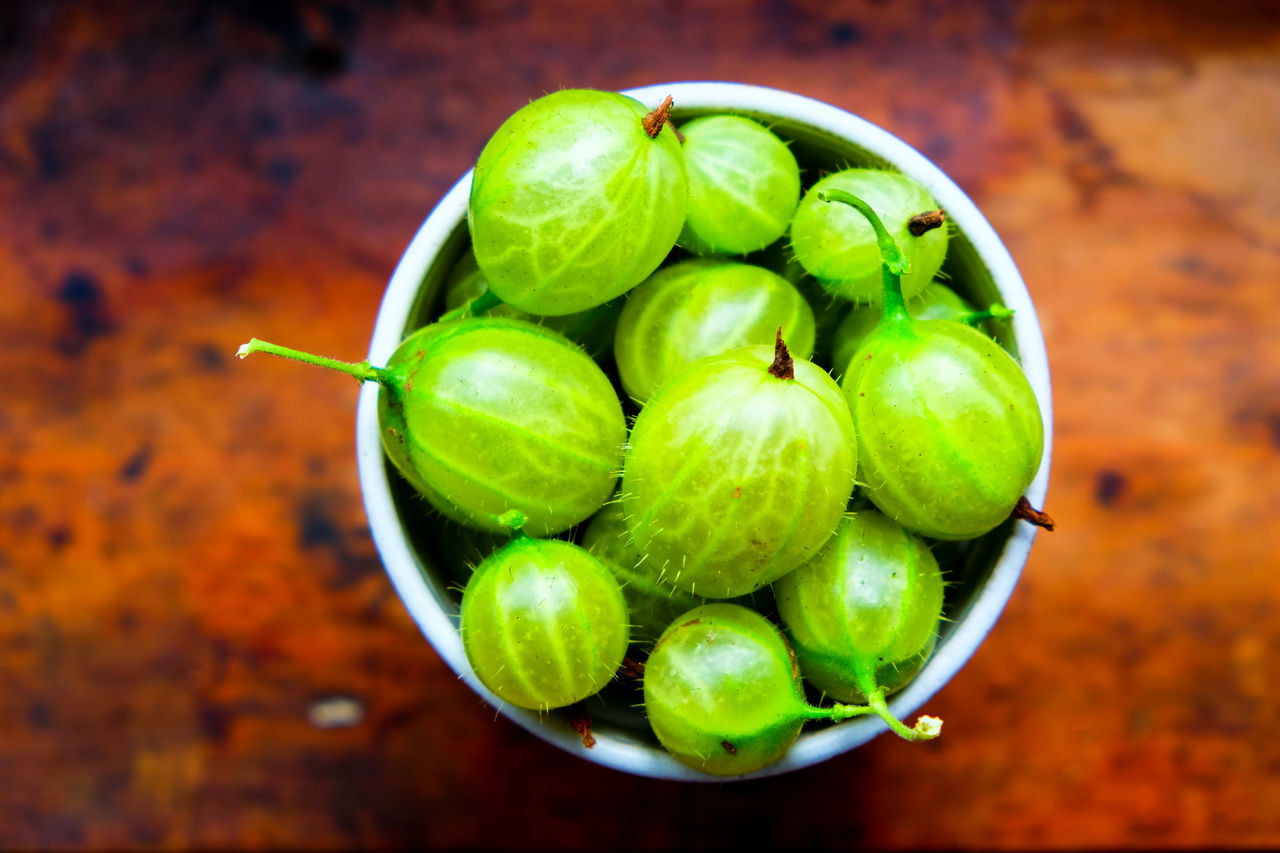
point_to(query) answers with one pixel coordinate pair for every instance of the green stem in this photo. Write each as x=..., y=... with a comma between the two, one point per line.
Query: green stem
x=926, y=728
x=835, y=712
x=995, y=312
x=475, y=307
x=360, y=370
x=514, y=520
x=893, y=261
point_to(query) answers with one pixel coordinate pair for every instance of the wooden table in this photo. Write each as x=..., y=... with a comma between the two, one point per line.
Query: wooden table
x=186, y=574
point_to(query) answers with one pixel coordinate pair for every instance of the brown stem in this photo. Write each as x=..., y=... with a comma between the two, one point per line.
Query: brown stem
x=1025, y=511
x=653, y=122
x=923, y=223
x=631, y=669
x=580, y=720
x=783, y=366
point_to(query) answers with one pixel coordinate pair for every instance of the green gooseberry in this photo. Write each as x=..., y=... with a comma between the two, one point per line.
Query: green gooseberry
x=837, y=247
x=744, y=184
x=703, y=307
x=466, y=288
x=492, y=414
x=949, y=429
x=575, y=199
x=543, y=623
x=723, y=694
x=863, y=614
x=652, y=601
x=738, y=470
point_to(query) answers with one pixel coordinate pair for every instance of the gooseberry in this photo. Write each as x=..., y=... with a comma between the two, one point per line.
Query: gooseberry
x=652, y=601
x=703, y=307
x=723, y=694
x=738, y=470
x=949, y=430
x=576, y=198
x=837, y=247
x=863, y=614
x=744, y=184
x=492, y=414
x=543, y=623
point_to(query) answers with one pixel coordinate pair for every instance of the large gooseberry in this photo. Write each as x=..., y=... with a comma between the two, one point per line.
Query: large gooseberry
x=576, y=198
x=949, y=430
x=738, y=470
x=492, y=414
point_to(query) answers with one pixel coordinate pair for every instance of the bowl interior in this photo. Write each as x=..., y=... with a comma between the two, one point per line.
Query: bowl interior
x=416, y=544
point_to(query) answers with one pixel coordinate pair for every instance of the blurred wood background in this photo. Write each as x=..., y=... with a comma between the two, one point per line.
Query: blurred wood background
x=186, y=575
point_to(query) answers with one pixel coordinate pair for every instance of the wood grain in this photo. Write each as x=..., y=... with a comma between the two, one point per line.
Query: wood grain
x=185, y=567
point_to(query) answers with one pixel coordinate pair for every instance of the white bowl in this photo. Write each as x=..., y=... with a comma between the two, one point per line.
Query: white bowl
x=980, y=267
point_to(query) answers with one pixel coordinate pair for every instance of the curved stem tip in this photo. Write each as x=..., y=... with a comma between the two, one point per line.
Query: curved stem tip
x=893, y=261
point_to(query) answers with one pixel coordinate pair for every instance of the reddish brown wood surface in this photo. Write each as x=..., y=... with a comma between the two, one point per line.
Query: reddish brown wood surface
x=185, y=567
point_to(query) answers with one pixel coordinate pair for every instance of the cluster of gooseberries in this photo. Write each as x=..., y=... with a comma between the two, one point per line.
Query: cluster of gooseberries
x=623, y=270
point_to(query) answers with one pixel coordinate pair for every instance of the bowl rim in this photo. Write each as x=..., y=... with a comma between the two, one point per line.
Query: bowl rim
x=424, y=597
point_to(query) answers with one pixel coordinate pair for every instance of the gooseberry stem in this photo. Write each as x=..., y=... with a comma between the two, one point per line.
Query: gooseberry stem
x=835, y=712
x=360, y=370
x=926, y=728
x=893, y=261
x=474, y=308
x=995, y=312
x=513, y=520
